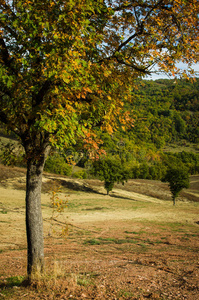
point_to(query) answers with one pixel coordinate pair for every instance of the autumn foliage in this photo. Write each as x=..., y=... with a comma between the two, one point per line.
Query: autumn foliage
x=66, y=68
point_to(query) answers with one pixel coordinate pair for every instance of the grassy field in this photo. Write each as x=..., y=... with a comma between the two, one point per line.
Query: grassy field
x=133, y=244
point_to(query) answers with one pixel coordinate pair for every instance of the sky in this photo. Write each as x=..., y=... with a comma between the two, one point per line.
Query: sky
x=180, y=65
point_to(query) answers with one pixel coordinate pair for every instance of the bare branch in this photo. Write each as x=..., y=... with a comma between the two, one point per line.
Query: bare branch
x=139, y=69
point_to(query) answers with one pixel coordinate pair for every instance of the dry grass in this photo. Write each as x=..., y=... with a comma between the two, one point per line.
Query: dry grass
x=128, y=245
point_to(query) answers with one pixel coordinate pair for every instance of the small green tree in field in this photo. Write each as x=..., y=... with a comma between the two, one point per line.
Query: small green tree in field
x=110, y=171
x=178, y=178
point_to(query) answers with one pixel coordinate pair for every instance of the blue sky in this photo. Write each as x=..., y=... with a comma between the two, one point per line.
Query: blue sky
x=180, y=65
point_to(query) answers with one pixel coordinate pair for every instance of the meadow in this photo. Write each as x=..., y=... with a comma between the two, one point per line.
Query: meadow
x=132, y=244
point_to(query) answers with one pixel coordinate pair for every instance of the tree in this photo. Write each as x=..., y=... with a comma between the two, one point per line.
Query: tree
x=178, y=179
x=67, y=66
x=110, y=171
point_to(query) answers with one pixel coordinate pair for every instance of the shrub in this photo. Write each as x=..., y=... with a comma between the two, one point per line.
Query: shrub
x=56, y=164
x=80, y=174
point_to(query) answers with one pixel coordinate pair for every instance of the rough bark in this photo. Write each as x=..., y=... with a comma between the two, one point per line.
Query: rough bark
x=34, y=221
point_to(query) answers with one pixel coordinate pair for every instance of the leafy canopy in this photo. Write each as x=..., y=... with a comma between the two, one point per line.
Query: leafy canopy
x=110, y=170
x=178, y=178
x=67, y=66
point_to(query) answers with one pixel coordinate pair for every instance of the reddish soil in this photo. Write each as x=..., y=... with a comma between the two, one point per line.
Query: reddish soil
x=132, y=260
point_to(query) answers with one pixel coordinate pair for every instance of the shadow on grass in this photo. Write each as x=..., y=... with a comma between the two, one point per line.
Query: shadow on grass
x=14, y=281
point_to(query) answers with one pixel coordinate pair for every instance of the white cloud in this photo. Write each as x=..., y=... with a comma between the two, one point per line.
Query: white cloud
x=182, y=66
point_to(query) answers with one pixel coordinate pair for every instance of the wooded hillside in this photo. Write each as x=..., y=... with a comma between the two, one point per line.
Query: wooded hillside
x=166, y=111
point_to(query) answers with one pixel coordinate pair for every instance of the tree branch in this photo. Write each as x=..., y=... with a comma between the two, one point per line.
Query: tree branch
x=137, y=68
x=5, y=57
x=38, y=98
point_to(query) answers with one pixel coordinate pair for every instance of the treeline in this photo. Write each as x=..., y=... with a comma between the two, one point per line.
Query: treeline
x=132, y=161
x=157, y=170
x=111, y=170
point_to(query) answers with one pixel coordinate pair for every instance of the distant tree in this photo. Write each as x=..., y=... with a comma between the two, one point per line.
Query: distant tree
x=178, y=178
x=110, y=171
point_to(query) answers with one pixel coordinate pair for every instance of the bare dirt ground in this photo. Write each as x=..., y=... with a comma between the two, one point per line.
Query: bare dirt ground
x=133, y=244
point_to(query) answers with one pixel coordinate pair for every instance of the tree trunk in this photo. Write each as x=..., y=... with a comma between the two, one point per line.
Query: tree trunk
x=34, y=221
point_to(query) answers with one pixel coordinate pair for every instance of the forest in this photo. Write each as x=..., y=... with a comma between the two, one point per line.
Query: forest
x=166, y=111
x=165, y=132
